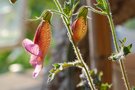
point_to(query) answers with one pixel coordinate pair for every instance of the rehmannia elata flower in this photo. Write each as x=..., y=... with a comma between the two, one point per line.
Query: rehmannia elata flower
x=39, y=46
x=79, y=26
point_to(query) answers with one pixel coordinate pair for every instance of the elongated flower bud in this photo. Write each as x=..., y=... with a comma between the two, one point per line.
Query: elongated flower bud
x=43, y=37
x=79, y=26
x=39, y=47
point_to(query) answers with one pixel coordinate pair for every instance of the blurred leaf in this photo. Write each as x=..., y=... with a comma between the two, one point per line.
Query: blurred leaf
x=123, y=41
x=133, y=88
x=3, y=61
x=105, y=86
x=130, y=24
x=36, y=7
x=97, y=79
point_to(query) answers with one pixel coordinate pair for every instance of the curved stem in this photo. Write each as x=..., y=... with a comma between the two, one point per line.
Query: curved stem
x=122, y=66
x=96, y=11
x=76, y=49
x=59, y=13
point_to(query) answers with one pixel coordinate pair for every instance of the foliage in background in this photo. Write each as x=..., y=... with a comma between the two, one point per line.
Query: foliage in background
x=8, y=58
x=36, y=7
x=3, y=61
x=130, y=24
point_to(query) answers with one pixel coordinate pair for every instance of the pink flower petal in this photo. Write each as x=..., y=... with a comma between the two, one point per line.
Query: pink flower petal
x=37, y=70
x=34, y=60
x=30, y=47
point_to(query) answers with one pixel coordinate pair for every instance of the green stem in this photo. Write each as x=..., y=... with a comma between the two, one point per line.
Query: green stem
x=57, y=12
x=76, y=49
x=113, y=32
x=96, y=11
x=122, y=66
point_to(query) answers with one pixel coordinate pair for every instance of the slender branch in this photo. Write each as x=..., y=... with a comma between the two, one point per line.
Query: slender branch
x=76, y=49
x=96, y=11
x=122, y=66
x=57, y=12
x=113, y=32
x=124, y=74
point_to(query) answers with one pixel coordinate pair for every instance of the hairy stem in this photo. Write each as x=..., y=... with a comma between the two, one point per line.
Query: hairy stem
x=76, y=49
x=122, y=66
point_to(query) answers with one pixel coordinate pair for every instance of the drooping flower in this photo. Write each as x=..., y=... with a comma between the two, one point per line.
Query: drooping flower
x=39, y=46
x=79, y=26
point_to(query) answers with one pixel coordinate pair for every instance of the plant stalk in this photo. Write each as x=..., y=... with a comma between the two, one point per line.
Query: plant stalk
x=121, y=63
x=77, y=51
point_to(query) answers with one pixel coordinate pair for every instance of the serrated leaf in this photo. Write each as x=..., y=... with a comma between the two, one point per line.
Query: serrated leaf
x=67, y=7
x=70, y=6
x=58, y=67
x=127, y=49
x=97, y=79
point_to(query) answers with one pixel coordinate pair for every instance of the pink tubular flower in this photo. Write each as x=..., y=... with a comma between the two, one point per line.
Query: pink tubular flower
x=39, y=46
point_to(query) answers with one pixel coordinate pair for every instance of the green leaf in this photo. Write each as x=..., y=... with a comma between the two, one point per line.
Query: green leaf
x=83, y=11
x=105, y=86
x=56, y=65
x=123, y=41
x=102, y=5
x=127, y=49
x=70, y=6
x=67, y=7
